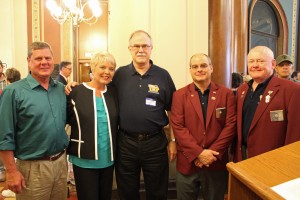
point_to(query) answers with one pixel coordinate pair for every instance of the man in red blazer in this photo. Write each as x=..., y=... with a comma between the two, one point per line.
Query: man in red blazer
x=203, y=118
x=267, y=108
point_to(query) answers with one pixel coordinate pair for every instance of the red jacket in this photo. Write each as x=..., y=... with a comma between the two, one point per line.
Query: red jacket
x=192, y=135
x=267, y=132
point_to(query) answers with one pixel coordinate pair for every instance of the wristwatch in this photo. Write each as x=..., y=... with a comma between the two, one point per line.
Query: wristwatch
x=172, y=140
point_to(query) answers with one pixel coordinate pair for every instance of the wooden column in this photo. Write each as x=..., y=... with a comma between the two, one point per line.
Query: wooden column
x=227, y=38
x=297, y=63
x=240, y=36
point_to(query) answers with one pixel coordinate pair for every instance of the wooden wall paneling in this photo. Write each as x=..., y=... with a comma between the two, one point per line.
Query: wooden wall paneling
x=298, y=43
x=240, y=36
x=51, y=33
x=91, y=39
x=220, y=22
x=29, y=21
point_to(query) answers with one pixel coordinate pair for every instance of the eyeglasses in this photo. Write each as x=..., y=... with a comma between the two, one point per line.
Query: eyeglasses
x=137, y=47
x=201, y=66
x=69, y=68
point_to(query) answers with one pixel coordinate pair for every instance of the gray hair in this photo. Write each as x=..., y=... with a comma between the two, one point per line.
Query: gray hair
x=137, y=32
x=263, y=49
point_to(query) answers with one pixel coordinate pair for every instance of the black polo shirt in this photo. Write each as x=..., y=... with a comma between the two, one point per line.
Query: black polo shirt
x=204, y=101
x=251, y=102
x=143, y=100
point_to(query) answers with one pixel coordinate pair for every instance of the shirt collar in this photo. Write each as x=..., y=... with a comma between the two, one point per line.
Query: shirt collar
x=134, y=72
x=33, y=83
x=263, y=84
x=205, y=91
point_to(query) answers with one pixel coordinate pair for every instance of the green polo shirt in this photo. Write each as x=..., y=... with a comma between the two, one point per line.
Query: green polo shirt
x=33, y=119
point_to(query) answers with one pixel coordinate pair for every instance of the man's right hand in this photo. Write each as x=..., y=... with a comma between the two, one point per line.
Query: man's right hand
x=68, y=87
x=15, y=181
x=207, y=157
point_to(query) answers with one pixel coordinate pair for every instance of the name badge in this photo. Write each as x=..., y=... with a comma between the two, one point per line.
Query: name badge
x=220, y=113
x=277, y=115
x=150, y=102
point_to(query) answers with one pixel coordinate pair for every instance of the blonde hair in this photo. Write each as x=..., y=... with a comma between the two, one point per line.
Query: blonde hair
x=100, y=58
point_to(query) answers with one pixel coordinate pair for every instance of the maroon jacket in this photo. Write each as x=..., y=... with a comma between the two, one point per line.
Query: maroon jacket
x=193, y=136
x=275, y=123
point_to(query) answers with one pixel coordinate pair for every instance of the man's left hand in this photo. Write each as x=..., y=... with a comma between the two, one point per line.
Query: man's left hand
x=172, y=150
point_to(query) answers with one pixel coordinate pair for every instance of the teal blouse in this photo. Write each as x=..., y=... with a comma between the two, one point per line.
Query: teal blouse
x=104, y=153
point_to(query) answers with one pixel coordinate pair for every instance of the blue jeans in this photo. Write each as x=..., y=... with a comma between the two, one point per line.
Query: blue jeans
x=149, y=155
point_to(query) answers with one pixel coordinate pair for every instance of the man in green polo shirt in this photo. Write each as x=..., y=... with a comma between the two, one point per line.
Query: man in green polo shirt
x=32, y=130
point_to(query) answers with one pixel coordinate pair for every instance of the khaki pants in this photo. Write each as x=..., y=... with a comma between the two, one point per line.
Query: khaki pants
x=45, y=180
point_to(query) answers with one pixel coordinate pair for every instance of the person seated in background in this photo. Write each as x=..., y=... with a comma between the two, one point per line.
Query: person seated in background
x=237, y=80
x=284, y=66
x=12, y=75
x=65, y=70
x=296, y=76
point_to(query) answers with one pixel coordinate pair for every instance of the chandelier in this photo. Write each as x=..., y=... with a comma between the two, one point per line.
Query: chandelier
x=75, y=10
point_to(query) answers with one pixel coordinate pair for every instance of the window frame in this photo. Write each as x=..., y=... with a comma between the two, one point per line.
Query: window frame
x=282, y=39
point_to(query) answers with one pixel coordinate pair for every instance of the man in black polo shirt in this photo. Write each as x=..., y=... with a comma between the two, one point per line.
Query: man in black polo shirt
x=145, y=94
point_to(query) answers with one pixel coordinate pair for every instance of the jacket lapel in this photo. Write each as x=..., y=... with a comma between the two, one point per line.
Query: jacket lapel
x=194, y=98
x=213, y=97
x=267, y=98
x=241, y=94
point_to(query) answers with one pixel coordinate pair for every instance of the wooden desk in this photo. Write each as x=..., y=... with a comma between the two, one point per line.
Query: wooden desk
x=252, y=178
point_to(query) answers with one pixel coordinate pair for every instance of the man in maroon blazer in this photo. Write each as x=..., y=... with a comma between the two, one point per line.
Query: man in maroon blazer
x=203, y=118
x=267, y=108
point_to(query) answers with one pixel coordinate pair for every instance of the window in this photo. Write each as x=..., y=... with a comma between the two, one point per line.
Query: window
x=268, y=26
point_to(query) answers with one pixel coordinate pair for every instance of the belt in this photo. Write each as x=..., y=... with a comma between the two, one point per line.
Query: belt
x=141, y=136
x=52, y=158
